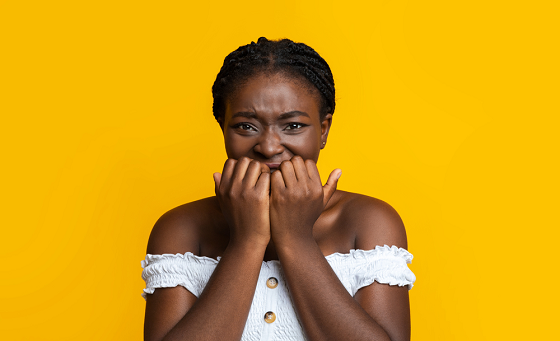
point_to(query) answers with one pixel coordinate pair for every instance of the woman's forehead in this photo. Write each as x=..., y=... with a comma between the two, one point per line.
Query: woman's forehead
x=274, y=94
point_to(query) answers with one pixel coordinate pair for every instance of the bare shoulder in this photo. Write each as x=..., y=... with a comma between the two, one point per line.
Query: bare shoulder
x=180, y=229
x=374, y=221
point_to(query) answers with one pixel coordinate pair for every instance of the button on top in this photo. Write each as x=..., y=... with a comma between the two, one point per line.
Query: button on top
x=269, y=317
x=272, y=282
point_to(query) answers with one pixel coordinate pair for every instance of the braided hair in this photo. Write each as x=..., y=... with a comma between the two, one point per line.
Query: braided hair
x=272, y=57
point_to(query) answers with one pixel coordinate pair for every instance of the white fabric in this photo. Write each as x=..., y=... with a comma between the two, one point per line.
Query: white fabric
x=357, y=269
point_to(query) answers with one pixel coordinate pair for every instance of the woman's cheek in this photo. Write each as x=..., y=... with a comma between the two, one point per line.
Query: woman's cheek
x=237, y=148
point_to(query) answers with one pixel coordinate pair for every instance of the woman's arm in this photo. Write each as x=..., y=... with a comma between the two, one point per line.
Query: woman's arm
x=221, y=310
x=326, y=310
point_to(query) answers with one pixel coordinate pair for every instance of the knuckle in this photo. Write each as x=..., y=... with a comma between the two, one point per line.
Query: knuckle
x=262, y=198
x=244, y=195
x=311, y=191
x=231, y=192
x=280, y=199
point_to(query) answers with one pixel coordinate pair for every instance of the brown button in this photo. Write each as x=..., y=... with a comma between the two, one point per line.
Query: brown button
x=272, y=282
x=269, y=317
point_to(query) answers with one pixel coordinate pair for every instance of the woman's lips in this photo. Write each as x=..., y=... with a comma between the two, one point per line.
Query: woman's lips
x=273, y=166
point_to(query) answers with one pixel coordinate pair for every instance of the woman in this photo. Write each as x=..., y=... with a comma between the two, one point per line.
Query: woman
x=275, y=255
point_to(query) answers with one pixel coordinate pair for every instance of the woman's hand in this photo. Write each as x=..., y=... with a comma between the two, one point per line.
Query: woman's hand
x=297, y=199
x=243, y=192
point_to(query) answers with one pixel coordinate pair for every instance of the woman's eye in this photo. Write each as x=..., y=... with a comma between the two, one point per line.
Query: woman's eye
x=294, y=126
x=244, y=126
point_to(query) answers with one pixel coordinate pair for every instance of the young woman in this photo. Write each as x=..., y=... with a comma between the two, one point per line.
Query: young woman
x=275, y=255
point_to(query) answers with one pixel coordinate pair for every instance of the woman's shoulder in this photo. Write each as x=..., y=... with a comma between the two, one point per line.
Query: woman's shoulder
x=180, y=229
x=373, y=221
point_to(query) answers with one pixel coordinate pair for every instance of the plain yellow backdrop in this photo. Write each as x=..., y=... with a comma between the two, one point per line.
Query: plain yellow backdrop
x=448, y=110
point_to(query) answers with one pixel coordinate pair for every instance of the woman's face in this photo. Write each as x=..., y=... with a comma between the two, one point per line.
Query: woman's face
x=272, y=118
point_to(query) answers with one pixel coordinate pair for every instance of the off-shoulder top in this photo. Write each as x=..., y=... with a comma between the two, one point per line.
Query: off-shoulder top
x=272, y=315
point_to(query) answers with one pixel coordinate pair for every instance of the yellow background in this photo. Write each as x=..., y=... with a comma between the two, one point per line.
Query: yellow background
x=448, y=110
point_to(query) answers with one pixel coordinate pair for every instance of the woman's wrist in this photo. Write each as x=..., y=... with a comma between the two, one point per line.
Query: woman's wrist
x=294, y=242
x=253, y=243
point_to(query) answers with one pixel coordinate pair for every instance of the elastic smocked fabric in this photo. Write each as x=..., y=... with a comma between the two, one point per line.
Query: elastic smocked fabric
x=356, y=269
x=384, y=264
x=169, y=270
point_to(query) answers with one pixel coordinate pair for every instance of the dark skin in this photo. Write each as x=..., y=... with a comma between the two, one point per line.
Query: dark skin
x=273, y=123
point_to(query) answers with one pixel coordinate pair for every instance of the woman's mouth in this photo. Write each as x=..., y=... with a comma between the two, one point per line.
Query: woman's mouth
x=273, y=166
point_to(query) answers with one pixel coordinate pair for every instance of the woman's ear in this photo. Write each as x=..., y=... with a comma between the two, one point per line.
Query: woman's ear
x=325, y=128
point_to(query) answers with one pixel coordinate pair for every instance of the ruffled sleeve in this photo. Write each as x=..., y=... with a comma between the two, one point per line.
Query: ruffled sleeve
x=168, y=270
x=384, y=264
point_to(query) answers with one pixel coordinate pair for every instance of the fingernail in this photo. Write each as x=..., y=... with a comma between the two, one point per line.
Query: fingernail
x=339, y=174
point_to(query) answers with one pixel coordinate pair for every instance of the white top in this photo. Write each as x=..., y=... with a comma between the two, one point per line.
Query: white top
x=357, y=269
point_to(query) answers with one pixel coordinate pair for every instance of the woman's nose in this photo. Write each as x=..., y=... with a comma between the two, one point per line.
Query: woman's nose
x=269, y=145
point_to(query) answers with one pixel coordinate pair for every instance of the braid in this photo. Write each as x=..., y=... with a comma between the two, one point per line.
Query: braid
x=282, y=56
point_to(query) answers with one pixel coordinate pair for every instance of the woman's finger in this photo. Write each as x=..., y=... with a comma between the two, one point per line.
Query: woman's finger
x=263, y=182
x=330, y=186
x=254, y=171
x=277, y=181
x=288, y=173
x=217, y=181
x=312, y=171
x=299, y=168
x=240, y=169
x=227, y=172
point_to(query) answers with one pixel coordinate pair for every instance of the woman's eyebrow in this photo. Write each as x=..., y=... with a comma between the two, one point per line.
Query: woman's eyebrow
x=246, y=114
x=292, y=114
x=284, y=116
